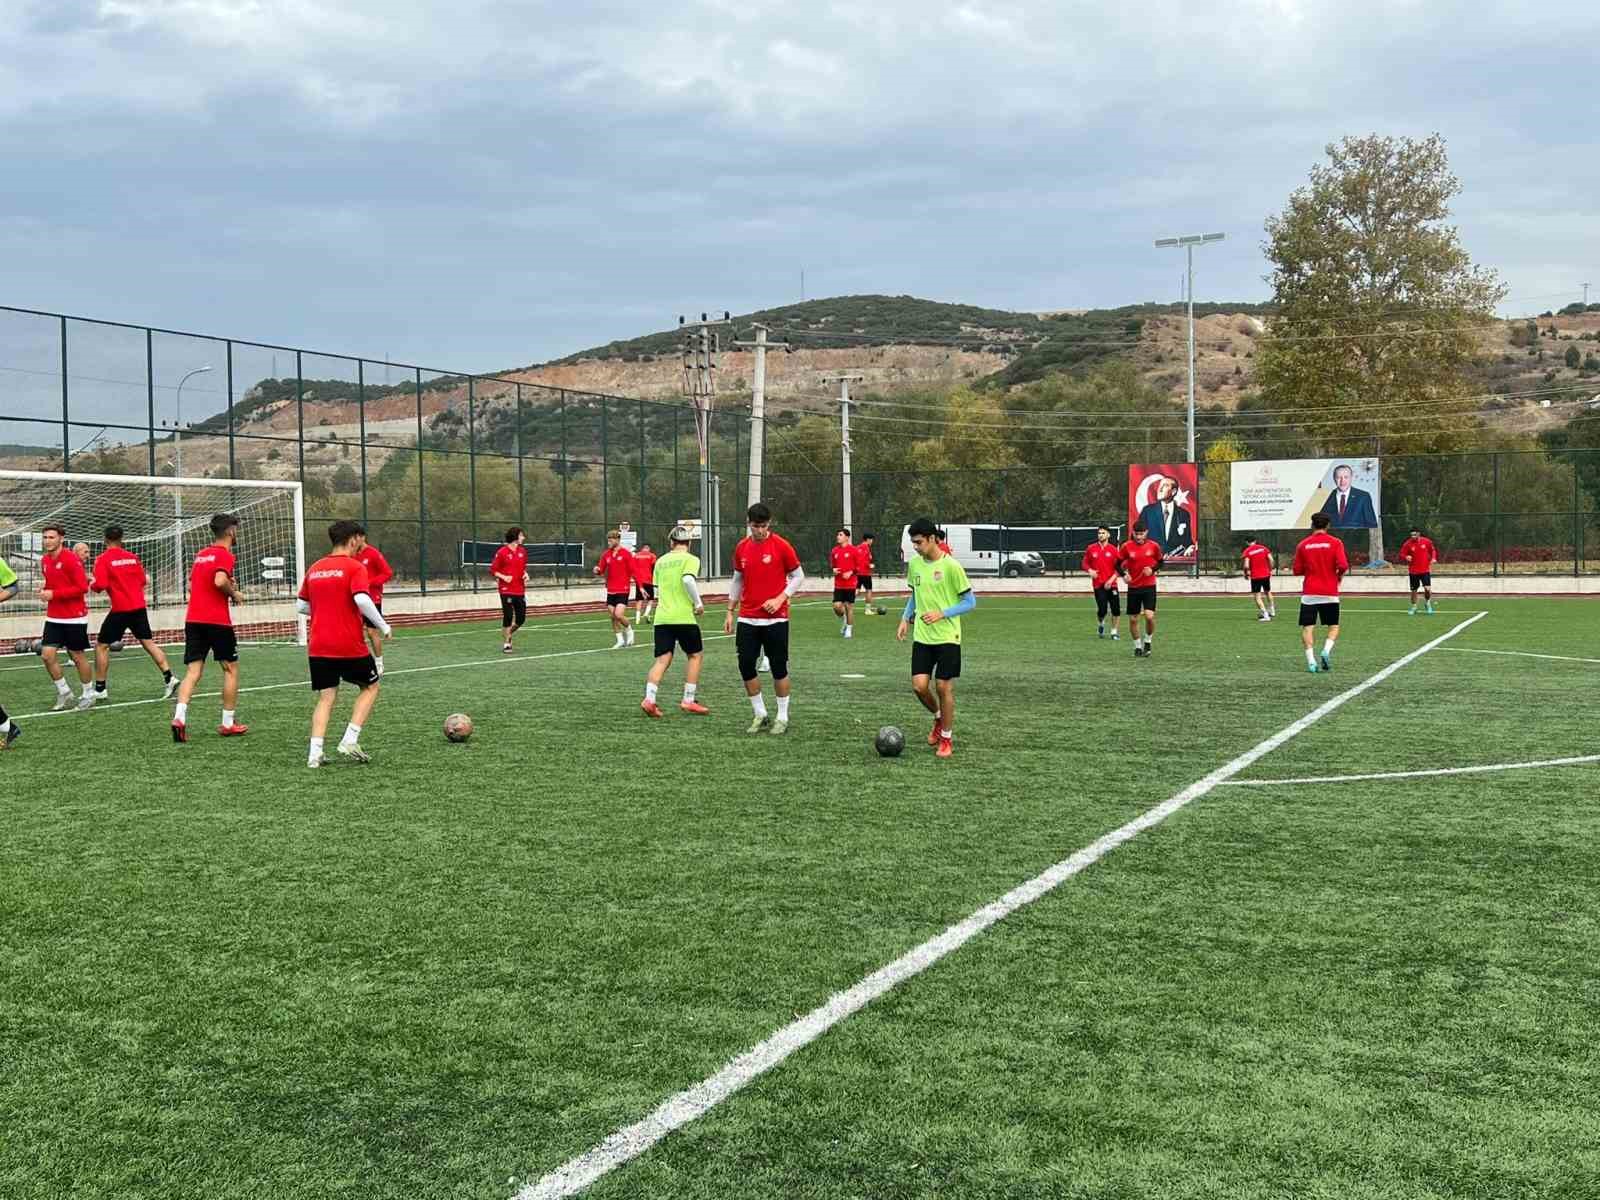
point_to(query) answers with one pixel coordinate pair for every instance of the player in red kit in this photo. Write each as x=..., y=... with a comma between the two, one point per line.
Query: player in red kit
x=766, y=572
x=510, y=570
x=644, y=583
x=1258, y=564
x=616, y=564
x=208, y=628
x=1100, y=564
x=379, y=572
x=864, y=572
x=1320, y=559
x=844, y=560
x=1419, y=554
x=1140, y=559
x=64, y=588
x=119, y=573
x=335, y=595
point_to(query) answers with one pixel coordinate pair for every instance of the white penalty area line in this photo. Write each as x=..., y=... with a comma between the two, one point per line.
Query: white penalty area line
x=633, y=1140
x=1523, y=654
x=1516, y=766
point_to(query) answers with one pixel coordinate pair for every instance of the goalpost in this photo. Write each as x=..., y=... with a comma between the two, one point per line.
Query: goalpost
x=165, y=522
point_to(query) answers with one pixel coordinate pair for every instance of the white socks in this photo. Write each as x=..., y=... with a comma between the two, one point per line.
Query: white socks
x=650, y=692
x=1311, y=656
x=783, y=708
x=316, y=750
x=63, y=687
x=1327, y=646
x=377, y=661
x=690, y=690
x=758, y=704
x=352, y=734
x=227, y=716
x=180, y=714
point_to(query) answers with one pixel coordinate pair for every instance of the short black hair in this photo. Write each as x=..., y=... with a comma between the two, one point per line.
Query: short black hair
x=844, y=531
x=1416, y=529
x=758, y=514
x=1098, y=528
x=921, y=527
x=940, y=532
x=56, y=529
x=1140, y=527
x=867, y=537
x=1320, y=520
x=513, y=533
x=340, y=532
x=113, y=533
x=222, y=522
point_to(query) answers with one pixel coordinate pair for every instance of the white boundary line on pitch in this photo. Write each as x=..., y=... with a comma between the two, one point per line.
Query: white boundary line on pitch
x=1516, y=766
x=630, y=1141
x=1523, y=654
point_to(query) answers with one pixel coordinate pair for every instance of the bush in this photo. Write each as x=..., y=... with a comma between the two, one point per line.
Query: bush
x=345, y=480
x=1591, y=363
x=1525, y=334
x=1572, y=358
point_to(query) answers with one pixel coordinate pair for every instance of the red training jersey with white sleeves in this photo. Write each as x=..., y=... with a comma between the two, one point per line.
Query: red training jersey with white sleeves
x=844, y=561
x=1419, y=553
x=330, y=588
x=62, y=572
x=379, y=572
x=1140, y=561
x=120, y=573
x=1257, y=561
x=765, y=568
x=864, y=560
x=644, y=568
x=616, y=564
x=1321, y=559
x=513, y=561
x=1102, y=560
x=208, y=604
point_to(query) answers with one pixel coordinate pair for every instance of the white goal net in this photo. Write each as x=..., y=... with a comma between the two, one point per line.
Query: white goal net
x=165, y=522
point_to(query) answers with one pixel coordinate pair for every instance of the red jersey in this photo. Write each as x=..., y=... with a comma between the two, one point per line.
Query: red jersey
x=864, y=560
x=62, y=573
x=513, y=561
x=331, y=588
x=944, y=546
x=1419, y=553
x=1257, y=561
x=1102, y=560
x=765, y=568
x=1137, y=558
x=644, y=568
x=379, y=572
x=208, y=604
x=120, y=573
x=616, y=564
x=1322, y=560
x=844, y=560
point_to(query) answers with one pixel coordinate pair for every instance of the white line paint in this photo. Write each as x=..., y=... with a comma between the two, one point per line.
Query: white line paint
x=1516, y=766
x=633, y=1140
x=1524, y=654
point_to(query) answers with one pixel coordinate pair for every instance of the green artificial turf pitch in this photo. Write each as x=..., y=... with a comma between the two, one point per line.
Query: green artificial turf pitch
x=448, y=972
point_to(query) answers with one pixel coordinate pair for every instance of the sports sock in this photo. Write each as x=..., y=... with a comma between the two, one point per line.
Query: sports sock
x=690, y=691
x=352, y=734
x=166, y=676
x=1311, y=656
x=783, y=708
x=650, y=692
x=947, y=733
x=758, y=704
x=88, y=689
x=227, y=716
x=63, y=687
x=316, y=749
x=377, y=661
x=1327, y=646
x=180, y=714
x=100, y=686
x=5, y=724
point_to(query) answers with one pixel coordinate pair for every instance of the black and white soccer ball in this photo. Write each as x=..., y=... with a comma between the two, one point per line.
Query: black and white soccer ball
x=889, y=742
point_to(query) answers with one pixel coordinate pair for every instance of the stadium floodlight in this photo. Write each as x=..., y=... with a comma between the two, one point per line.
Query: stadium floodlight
x=1189, y=242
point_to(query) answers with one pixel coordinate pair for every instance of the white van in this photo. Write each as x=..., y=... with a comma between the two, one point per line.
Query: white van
x=977, y=549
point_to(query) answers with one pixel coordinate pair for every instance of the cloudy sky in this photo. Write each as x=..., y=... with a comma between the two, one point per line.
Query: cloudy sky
x=479, y=184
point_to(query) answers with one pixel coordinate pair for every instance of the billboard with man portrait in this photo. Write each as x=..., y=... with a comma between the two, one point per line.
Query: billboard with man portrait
x=1284, y=494
x=1166, y=497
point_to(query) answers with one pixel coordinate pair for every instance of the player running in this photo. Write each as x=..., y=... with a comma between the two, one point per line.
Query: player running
x=343, y=614
x=510, y=570
x=10, y=731
x=864, y=566
x=1419, y=554
x=1101, y=563
x=1140, y=559
x=843, y=559
x=1321, y=560
x=644, y=583
x=1258, y=564
x=940, y=595
x=676, y=625
x=208, y=628
x=616, y=564
x=379, y=572
x=766, y=572
x=64, y=588
x=119, y=573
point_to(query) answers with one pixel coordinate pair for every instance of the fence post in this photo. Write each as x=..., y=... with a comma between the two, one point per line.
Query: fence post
x=233, y=470
x=522, y=491
x=644, y=508
x=1495, y=511
x=300, y=415
x=422, y=493
x=361, y=418
x=472, y=470
x=566, y=470
x=1577, y=523
x=66, y=412
x=605, y=467
x=150, y=394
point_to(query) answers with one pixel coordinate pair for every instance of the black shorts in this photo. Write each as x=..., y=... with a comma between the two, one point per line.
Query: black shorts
x=754, y=640
x=1140, y=600
x=1108, y=599
x=687, y=636
x=844, y=595
x=644, y=591
x=1310, y=614
x=1425, y=580
x=118, y=624
x=614, y=599
x=865, y=582
x=1260, y=585
x=201, y=639
x=366, y=620
x=64, y=635
x=327, y=672
x=513, y=610
x=941, y=660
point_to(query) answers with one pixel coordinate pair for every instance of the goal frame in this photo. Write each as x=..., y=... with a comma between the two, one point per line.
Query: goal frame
x=295, y=489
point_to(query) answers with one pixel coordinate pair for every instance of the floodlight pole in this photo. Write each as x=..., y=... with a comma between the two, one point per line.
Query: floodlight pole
x=1189, y=242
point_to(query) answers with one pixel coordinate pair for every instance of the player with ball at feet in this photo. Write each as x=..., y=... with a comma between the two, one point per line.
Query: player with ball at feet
x=940, y=596
x=335, y=595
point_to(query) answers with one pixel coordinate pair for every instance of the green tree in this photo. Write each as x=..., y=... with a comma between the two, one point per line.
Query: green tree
x=345, y=480
x=1572, y=357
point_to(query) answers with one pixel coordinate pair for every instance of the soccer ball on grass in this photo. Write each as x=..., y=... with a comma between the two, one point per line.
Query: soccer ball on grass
x=457, y=727
x=889, y=742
